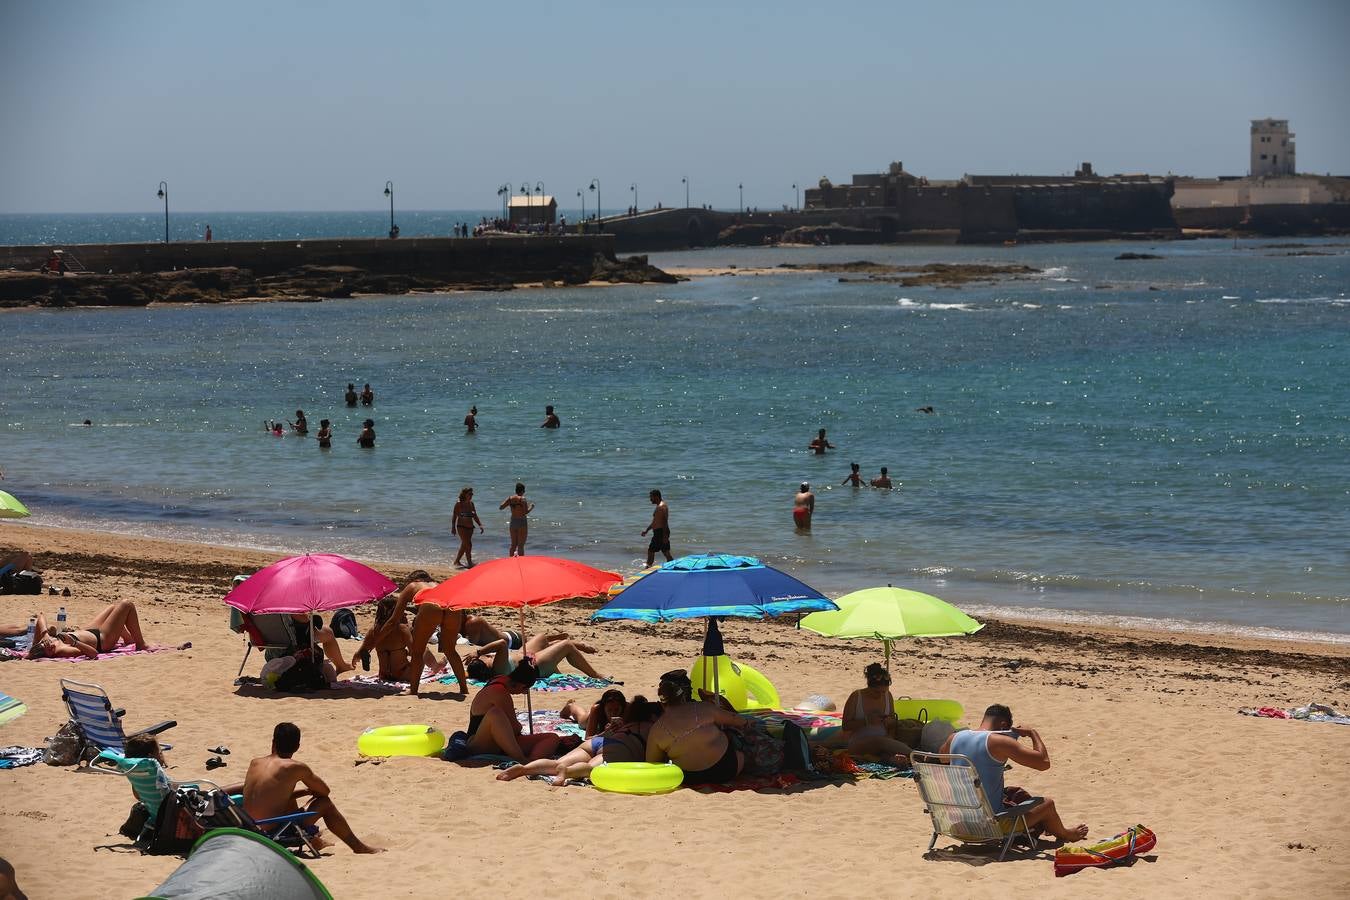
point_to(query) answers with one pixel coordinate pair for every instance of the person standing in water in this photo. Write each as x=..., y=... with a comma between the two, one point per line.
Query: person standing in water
x=465, y=515
x=520, y=522
x=301, y=424
x=367, y=396
x=366, y=440
x=854, y=477
x=804, y=507
x=325, y=435
x=660, y=529
x=882, y=481
x=350, y=396
x=551, y=419
x=819, y=444
x=471, y=420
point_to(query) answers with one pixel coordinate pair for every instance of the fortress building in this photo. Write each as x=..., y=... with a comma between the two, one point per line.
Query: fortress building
x=1272, y=148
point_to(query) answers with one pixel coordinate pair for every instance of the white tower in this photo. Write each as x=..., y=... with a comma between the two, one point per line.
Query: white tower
x=1272, y=148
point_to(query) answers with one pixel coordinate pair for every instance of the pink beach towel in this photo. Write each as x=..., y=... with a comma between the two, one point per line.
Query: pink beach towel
x=117, y=652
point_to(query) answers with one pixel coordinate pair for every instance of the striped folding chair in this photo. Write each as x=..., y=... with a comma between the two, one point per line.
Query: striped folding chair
x=950, y=787
x=98, y=725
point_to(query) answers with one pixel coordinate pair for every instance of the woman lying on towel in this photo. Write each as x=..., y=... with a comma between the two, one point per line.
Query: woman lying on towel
x=690, y=734
x=625, y=741
x=493, y=726
x=546, y=651
x=117, y=623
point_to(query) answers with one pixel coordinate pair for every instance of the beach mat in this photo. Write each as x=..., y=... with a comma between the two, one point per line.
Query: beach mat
x=10, y=708
x=18, y=757
x=117, y=652
x=1313, y=712
x=557, y=682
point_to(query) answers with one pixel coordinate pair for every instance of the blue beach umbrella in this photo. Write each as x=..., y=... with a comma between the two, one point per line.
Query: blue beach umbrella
x=709, y=586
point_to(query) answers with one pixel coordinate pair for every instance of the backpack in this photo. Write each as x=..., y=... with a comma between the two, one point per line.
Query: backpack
x=176, y=828
x=306, y=675
x=343, y=624
x=25, y=582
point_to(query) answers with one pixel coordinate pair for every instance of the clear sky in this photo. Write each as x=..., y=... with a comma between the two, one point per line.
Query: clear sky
x=302, y=105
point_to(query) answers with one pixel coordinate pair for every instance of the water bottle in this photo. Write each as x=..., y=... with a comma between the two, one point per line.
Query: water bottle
x=32, y=629
x=61, y=617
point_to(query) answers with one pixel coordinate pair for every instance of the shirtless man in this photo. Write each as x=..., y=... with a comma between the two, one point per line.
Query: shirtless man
x=520, y=522
x=882, y=481
x=550, y=419
x=471, y=420
x=994, y=742
x=660, y=529
x=367, y=396
x=350, y=396
x=803, y=507
x=426, y=620
x=270, y=788
x=819, y=444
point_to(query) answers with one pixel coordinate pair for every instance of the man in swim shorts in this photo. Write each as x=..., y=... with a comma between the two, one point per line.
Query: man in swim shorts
x=882, y=481
x=660, y=529
x=803, y=507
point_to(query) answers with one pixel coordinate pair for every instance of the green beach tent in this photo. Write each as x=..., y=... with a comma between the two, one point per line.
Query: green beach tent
x=888, y=613
x=233, y=864
x=11, y=508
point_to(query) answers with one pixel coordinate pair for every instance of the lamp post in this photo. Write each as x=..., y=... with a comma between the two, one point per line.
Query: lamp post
x=741, y=188
x=539, y=189
x=581, y=195
x=685, y=180
x=525, y=192
x=633, y=187
x=599, y=206
x=389, y=192
x=798, y=195
x=164, y=195
x=504, y=191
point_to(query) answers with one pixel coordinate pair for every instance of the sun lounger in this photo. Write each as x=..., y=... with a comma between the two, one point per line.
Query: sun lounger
x=99, y=725
x=960, y=810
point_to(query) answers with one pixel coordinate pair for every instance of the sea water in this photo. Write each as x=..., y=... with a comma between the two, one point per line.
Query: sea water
x=1154, y=439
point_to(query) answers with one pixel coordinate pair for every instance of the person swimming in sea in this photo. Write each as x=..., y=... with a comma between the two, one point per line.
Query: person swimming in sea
x=350, y=396
x=366, y=439
x=301, y=424
x=882, y=481
x=325, y=435
x=471, y=420
x=367, y=396
x=854, y=477
x=819, y=444
x=551, y=419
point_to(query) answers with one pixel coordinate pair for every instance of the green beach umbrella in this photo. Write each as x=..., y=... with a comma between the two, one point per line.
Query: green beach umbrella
x=11, y=508
x=888, y=613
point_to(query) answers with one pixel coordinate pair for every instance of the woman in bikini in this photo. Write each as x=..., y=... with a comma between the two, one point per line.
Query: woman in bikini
x=118, y=622
x=608, y=710
x=690, y=734
x=493, y=726
x=325, y=435
x=520, y=522
x=621, y=741
x=465, y=515
x=426, y=620
x=870, y=721
x=546, y=651
x=393, y=645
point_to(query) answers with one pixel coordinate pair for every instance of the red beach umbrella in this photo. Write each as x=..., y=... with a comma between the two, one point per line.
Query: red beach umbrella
x=315, y=582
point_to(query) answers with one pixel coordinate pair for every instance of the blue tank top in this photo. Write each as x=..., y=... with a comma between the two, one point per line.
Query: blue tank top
x=975, y=745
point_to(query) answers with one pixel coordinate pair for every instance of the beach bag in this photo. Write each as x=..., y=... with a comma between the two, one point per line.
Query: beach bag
x=25, y=582
x=176, y=830
x=65, y=747
x=136, y=821
x=305, y=676
x=796, y=751
x=909, y=732
x=763, y=752
x=343, y=624
x=457, y=747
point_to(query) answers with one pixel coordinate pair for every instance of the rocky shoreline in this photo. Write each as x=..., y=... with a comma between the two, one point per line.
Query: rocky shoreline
x=231, y=284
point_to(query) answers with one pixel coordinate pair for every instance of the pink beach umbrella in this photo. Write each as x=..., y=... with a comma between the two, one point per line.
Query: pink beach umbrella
x=315, y=582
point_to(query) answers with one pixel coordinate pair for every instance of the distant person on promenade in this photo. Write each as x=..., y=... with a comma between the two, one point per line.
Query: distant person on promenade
x=350, y=396
x=819, y=444
x=270, y=788
x=995, y=742
x=471, y=420
x=660, y=529
x=854, y=477
x=520, y=522
x=367, y=396
x=301, y=424
x=465, y=515
x=208, y=234
x=882, y=481
x=366, y=439
x=325, y=434
x=551, y=419
x=803, y=507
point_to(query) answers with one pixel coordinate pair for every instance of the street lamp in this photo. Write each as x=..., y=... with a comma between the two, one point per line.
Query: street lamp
x=798, y=195
x=685, y=180
x=164, y=195
x=389, y=192
x=539, y=189
x=741, y=188
x=504, y=191
x=633, y=187
x=525, y=192
x=599, y=206
x=582, y=196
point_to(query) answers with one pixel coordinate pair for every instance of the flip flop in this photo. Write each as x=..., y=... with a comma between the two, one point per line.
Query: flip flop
x=222, y=750
x=215, y=762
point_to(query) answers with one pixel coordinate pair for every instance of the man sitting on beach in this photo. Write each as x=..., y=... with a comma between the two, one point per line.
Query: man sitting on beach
x=995, y=742
x=270, y=788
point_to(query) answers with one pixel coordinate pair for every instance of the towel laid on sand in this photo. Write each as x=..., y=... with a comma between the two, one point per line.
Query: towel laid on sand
x=117, y=652
x=1313, y=712
x=17, y=757
x=558, y=681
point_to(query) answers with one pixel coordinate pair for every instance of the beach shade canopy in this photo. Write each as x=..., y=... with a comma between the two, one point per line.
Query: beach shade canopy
x=240, y=865
x=11, y=508
x=315, y=582
x=888, y=613
x=518, y=582
x=713, y=584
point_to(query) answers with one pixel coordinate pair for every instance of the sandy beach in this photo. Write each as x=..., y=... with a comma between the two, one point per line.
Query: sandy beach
x=1141, y=728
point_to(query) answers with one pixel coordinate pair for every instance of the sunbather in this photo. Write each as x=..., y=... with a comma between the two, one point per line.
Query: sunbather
x=689, y=734
x=427, y=618
x=546, y=651
x=608, y=710
x=270, y=788
x=869, y=719
x=624, y=740
x=493, y=726
x=993, y=743
x=117, y=622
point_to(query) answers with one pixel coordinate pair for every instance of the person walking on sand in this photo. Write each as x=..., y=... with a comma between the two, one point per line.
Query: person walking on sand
x=660, y=529
x=366, y=439
x=854, y=477
x=819, y=444
x=350, y=396
x=471, y=420
x=270, y=788
x=465, y=515
x=520, y=522
x=551, y=419
x=804, y=507
x=995, y=742
x=882, y=481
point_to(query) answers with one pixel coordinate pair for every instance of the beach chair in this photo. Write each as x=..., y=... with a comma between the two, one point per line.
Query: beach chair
x=950, y=787
x=289, y=830
x=97, y=724
x=268, y=631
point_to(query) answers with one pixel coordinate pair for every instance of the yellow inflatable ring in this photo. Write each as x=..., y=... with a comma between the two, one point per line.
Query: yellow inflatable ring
x=401, y=740
x=766, y=695
x=637, y=778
